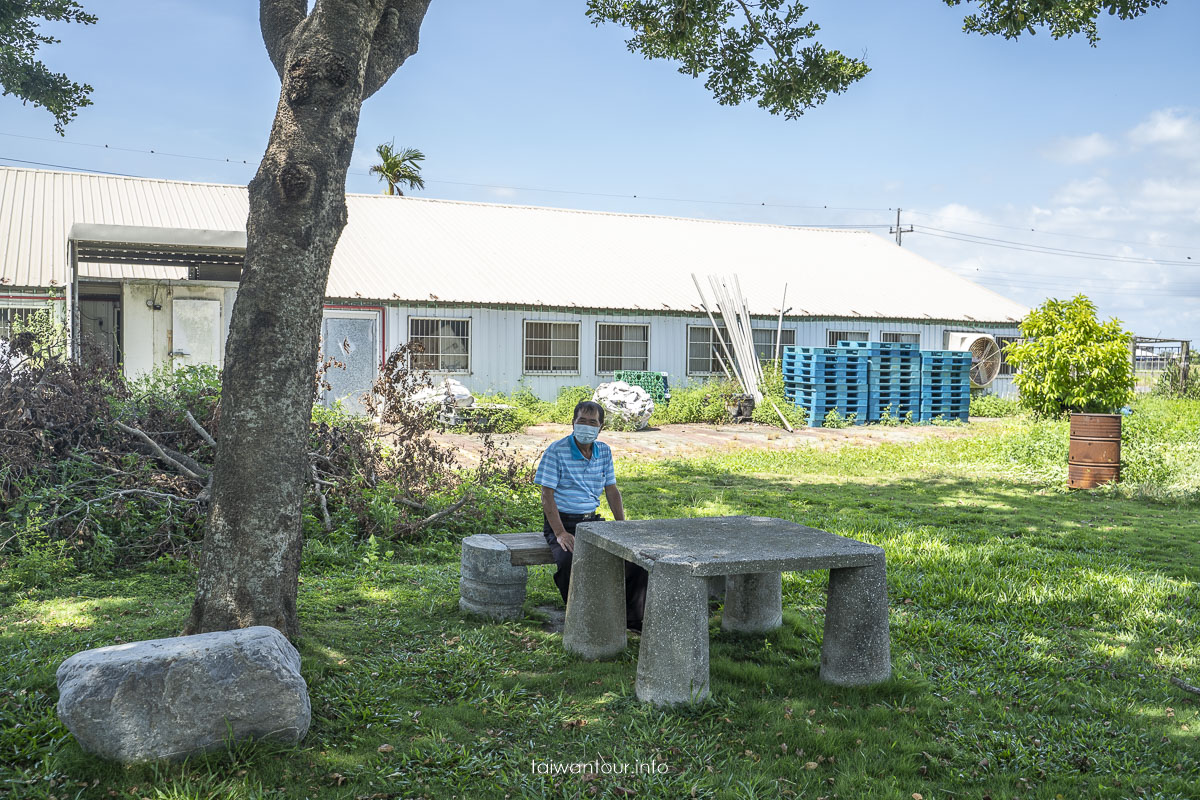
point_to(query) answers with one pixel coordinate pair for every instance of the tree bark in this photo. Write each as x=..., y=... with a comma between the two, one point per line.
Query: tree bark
x=329, y=61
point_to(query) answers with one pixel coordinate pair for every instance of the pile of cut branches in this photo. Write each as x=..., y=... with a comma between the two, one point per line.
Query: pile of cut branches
x=123, y=468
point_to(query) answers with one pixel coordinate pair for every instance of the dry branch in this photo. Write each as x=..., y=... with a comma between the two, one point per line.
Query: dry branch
x=158, y=451
x=1187, y=687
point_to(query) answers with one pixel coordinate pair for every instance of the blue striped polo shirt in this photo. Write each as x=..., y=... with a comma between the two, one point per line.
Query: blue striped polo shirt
x=577, y=481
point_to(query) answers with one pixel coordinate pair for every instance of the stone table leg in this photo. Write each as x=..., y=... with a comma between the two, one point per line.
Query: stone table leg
x=753, y=602
x=856, y=650
x=595, y=623
x=673, y=656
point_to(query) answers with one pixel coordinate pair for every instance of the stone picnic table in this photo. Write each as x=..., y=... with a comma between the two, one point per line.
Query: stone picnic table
x=752, y=553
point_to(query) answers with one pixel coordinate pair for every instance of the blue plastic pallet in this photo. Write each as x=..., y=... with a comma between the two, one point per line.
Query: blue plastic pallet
x=962, y=416
x=946, y=354
x=822, y=369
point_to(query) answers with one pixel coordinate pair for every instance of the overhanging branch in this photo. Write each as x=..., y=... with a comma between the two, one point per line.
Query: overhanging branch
x=395, y=39
x=278, y=19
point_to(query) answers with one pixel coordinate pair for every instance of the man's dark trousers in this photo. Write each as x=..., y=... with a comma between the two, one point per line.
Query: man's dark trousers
x=635, y=576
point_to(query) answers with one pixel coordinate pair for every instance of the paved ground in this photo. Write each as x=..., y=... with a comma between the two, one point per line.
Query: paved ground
x=689, y=440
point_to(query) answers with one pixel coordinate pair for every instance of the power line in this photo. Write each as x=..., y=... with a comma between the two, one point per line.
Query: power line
x=1090, y=289
x=1058, y=233
x=1055, y=249
x=1050, y=250
x=61, y=166
x=361, y=173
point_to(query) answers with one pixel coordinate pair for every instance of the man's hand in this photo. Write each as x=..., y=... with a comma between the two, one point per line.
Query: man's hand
x=566, y=541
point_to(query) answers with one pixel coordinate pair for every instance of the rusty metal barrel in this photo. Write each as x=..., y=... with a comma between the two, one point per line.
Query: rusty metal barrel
x=1094, y=457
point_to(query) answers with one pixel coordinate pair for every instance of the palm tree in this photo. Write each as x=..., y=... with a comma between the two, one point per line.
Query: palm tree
x=399, y=167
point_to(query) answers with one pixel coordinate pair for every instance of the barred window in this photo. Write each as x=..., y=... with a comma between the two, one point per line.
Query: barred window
x=8, y=315
x=551, y=347
x=764, y=342
x=901, y=338
x=845, y=336
x=1004, y=341
x=442, y=345
x=704, y=355
x=622, y=347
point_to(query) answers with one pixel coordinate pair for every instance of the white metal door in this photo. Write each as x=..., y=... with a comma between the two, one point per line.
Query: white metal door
x=195, y=332
x=352, y=339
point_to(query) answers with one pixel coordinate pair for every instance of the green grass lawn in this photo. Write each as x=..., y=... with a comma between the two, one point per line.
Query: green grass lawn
x=1034, y=632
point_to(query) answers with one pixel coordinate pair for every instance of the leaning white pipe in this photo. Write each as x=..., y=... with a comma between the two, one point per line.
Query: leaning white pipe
x=716, y=332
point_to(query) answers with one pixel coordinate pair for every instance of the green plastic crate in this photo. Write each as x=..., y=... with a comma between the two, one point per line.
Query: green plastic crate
x=653, y=382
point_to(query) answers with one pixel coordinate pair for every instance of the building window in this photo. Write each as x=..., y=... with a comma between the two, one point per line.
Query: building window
x=551, y=347
x=9, y=315
x=441, y=345
x=622, y=347
x=764, y=342
x=1005, y=341
x=900, y=338
x=704, y=356
x=845, y=336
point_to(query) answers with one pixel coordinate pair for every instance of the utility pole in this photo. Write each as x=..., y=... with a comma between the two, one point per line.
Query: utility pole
x=900, y=231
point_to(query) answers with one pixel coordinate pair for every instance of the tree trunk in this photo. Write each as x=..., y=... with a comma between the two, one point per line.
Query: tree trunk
x=329, y=60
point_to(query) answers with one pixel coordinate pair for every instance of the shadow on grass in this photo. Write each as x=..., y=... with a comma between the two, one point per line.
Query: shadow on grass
x=1032, y=633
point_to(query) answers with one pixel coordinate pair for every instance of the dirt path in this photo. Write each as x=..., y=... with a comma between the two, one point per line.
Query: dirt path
x=672, y=441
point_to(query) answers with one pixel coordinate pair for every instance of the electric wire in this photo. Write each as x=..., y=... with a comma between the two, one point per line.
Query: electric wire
x=1047, y=248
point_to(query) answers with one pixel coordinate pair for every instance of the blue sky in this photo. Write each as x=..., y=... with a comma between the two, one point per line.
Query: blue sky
x=1033, y=144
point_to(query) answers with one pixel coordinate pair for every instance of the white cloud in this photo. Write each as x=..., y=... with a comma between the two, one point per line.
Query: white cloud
x=1170, y=197
x=1088, y=192
x=1080, y=149
x=1174, y=131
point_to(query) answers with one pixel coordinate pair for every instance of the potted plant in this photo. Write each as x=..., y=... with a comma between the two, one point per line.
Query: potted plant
x=1069, y=362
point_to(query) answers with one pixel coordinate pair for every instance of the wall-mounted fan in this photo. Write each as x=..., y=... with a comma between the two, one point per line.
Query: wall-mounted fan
x=985, y=355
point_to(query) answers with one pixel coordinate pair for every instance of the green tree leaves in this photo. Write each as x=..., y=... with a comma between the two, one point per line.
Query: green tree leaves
x=399, y=167
x=1070, y=361
x=1063, y=18
x=22, y=74
x=761, y=51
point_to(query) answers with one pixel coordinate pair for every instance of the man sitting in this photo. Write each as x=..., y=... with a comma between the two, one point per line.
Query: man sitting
x=572, y=472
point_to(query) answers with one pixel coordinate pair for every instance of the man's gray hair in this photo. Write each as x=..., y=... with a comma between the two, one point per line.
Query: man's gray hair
x=588, y=405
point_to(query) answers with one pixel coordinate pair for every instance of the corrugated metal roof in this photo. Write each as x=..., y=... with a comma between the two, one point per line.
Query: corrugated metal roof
x=422, y=250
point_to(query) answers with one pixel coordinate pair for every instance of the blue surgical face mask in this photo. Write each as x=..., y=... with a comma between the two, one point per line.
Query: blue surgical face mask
x=586, y=434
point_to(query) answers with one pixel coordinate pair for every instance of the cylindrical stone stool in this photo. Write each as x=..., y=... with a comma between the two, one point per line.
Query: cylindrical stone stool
x=856, y=650
x=753, y=602
x=490, y=585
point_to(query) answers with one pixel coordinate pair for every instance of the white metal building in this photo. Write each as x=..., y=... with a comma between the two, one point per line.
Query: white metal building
x=497, y=295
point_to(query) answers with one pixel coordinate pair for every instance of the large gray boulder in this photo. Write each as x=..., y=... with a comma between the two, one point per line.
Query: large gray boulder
x=171, y=698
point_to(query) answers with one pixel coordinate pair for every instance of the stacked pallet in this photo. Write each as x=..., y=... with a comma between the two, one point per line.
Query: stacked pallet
x=895, y=378
x=945, y=384
x=824, y=379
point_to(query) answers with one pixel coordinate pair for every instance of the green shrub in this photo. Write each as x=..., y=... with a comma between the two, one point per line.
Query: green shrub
x=833, y=419
x=773, y=397
x=989, y=405
x=1070, y=361
x=697, y=403
x=1171, y=383
x=526, y=409
x=568, y=398
x=34, y=559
